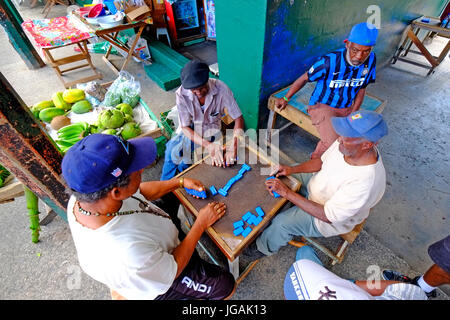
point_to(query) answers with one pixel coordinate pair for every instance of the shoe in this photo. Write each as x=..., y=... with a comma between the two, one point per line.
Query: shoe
x=431, y=294
x=393, y=275
x=252, y=253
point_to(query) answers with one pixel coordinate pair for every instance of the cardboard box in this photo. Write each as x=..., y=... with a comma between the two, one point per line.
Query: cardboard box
x=137, y=13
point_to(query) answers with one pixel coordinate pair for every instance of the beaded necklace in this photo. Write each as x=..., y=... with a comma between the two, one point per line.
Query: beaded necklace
x=146, y=208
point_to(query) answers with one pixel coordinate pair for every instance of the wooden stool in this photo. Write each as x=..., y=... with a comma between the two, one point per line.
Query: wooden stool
x=84, y=55
x=339, y=254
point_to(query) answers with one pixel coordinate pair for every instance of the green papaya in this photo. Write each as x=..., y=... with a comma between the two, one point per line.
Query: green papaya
x=48, y=114
x=73, y=95
x=81, y=106
x=59, y=102
x=42, y=105
x=38, y=107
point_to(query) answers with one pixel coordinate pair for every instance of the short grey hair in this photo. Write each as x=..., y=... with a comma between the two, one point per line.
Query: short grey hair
x=122, y=181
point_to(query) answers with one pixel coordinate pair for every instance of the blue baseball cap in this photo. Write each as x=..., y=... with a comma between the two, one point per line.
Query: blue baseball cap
x=361, y=124
x=364, y=34
x=98, y=160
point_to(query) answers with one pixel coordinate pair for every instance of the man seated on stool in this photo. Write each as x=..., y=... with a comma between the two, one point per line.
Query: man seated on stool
x=126, y=242
x=201, y=104
x=338, y=189
x=342, y=77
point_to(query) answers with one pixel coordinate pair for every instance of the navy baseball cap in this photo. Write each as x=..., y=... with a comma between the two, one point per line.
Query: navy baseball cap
x=98, y=160
x=194, y=74
x=361, y=124
x=364, y=34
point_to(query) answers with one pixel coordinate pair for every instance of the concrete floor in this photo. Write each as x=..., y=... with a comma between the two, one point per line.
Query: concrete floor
x=413, y=213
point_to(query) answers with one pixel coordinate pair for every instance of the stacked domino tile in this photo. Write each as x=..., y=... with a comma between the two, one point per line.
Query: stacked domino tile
x=250, y=219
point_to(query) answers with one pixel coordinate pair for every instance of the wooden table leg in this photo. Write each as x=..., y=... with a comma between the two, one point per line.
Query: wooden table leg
x=234, y=267
x=270, y=126
x=130, y=52
x=422, y=48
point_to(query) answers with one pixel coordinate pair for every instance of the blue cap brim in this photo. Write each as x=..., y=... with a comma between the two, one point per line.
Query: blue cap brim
x=143, y=152
x=343, y=128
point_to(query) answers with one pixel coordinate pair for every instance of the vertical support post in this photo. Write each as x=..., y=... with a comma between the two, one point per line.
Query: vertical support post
x=28, y=152
x=33, y=213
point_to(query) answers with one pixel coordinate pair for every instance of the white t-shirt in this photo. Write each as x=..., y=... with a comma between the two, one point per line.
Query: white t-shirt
x=306, y=280
x=130, y=254
x=347, y=192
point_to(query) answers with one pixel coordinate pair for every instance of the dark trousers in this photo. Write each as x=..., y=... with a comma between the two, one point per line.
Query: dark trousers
x=199, y=279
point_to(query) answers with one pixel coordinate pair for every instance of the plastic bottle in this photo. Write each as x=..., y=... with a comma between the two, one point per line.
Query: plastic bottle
x=445, y=23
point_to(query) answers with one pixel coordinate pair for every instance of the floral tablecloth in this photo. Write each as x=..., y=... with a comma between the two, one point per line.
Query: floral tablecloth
x=55, y=32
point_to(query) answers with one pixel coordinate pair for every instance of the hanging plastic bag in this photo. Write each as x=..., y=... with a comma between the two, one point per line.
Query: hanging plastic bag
x=123, y=90
x=130, y=90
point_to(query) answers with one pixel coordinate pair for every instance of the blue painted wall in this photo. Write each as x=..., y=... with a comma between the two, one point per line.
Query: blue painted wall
x=297, y=32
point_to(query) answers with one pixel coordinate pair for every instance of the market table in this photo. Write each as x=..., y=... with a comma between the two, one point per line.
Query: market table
x=245, y=195
x=111, y=35
x=55, y=33
x=296, y=109
x=428, y=24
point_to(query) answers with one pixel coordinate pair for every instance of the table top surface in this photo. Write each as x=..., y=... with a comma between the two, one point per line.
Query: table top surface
x=245, y=195
x=434, y=24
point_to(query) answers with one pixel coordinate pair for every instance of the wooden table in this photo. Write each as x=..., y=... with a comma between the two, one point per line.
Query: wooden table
x=82, y=56
x=111, y=35
x=245, y=195
x=411, y=37
x=296, y=113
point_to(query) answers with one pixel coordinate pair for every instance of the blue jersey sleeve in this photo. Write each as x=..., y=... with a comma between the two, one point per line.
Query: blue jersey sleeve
x=318, y=70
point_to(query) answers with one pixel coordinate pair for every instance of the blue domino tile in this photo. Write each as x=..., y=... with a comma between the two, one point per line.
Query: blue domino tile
x=213, y=190
x=275, y=195
x=251, y=219
x=259, y=211
x=246, y=216
x=223, y=192
x=196, y=193
x=246, y=231
x=257, y=221
x=238, y=231
x=238, y=224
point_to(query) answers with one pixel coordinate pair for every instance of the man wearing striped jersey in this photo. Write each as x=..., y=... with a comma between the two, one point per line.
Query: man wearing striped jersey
x=342, y=77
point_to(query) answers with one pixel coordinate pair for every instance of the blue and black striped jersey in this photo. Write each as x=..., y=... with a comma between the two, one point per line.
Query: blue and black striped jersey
x=338, y=82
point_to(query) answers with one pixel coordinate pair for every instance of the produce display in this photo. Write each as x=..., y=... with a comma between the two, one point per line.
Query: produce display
x=72, y=114
x=3, y=175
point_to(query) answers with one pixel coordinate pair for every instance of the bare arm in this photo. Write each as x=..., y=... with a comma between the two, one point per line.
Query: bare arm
x=206, y=217
x=358, y=100
x=230, y=155
x=153, y=190
x=296, y=86
x=310, y=166
x=310, y=207
x=195, y=137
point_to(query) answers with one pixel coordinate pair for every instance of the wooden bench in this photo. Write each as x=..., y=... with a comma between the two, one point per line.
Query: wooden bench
x=296, y=113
